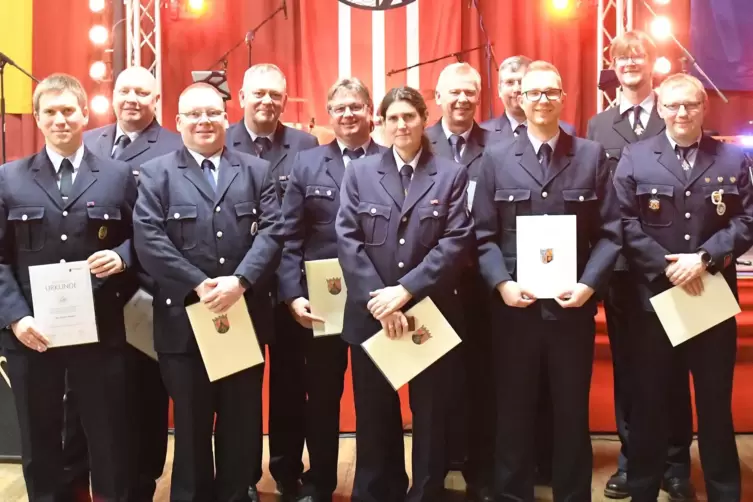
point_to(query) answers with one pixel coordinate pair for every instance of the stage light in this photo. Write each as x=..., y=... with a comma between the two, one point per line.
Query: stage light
x=98, y=34
x=100, y=104
x=661, y=2
x=197, y=6
x=560, y=4
x=746, y=141
x=662, y=66
x=661, y=28
x=96, y=5
x=98, y=70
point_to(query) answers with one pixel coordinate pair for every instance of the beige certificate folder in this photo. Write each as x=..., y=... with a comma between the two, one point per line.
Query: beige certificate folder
x=402, y=359
x=139, y=322
x=684, y=316
x=327, y=293
x=227, y=342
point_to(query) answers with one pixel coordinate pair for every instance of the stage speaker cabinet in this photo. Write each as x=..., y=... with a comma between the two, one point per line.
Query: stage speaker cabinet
x=10, y=436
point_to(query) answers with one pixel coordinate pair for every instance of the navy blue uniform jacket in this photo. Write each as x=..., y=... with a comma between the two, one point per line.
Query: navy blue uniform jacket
x=663, y=212
x=309, y=207
x=578, y=183
x=287, y=141
x=420, y=243
x=37, y=228
x=185, y=233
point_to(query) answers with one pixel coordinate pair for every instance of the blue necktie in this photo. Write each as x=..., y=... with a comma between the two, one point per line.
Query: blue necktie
x=519, y=130
x=405, y=175
x=545, y=157
x=120, y=145
x=208, y=168
x=263, y=145
x=457, y=143
x=353, y=154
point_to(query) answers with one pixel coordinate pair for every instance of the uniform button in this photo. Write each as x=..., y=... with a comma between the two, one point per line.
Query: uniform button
x=653, y=191
x=222, y=261
x=721, y=191
x=176, y=215
x=217, y=209
x=405, y=218
x=435, y=213
x=107, y=216
x=63, y=237
x=373, y=210
x=511, y=198
x=62, y=261
x=24, y=218
x=544, y=194
x=316, y=192
x=168, y=302
x=687, y=216
x=581, y=198
x=117, y=295
x=329, y=192
x=687, y=237
x=65, y=213
x=687, y=194
x=401, y=265
x=219, y=235
x=455, y=291
x=401, y=241
x=253, y=210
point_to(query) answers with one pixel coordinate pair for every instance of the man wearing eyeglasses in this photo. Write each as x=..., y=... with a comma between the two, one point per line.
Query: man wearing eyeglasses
x=635, y=119
x=687, y=211
x=513, y=121
x=260, y=133
x=316, y=366
x=207, y=228
x=544, y=172
x=457, y=136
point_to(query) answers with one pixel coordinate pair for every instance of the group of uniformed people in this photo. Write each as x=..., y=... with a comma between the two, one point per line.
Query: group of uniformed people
x=220, y=212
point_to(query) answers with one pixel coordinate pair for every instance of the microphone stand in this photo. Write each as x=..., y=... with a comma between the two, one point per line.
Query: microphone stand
x=422, y=63
x=489, y=56
x=3, y=61
x=249, y=38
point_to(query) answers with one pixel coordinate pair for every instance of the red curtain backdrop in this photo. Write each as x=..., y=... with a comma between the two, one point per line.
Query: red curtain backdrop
x=305, y=46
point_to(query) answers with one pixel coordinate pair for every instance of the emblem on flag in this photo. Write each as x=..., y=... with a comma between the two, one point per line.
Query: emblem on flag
x=334, y=286
x=221, y=324
x=547, y=255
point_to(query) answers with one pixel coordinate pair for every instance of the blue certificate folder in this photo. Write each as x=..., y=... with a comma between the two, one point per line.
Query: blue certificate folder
x=721, y=38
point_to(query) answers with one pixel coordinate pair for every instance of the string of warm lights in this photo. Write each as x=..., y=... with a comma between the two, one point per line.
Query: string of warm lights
x=101, y=68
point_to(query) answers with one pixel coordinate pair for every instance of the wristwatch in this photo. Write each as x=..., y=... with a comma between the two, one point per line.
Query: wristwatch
x=705, y=257
x=244, y=282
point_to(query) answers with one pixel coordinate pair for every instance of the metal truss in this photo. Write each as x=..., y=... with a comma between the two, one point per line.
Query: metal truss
x=614, y=18
x=144, y=39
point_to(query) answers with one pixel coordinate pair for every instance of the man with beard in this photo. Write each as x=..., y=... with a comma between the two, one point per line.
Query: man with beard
x=635, y=119
x=317, y=365
x=544, y=172
x=260, y=133
x=458, y=137
x=136, y=137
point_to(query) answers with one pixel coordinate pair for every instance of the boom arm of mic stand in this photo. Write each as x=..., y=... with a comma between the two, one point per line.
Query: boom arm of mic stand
x=489, y=56
x=422, y=63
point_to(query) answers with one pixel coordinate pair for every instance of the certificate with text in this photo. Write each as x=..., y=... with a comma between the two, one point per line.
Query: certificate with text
x=63, y=303
x=327, y=294
x=138, y=315
x=547, y=254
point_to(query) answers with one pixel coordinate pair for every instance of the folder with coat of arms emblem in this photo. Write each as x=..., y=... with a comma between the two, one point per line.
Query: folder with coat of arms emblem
x=429, y=339
x=547, y=254
x=227, y=342
x=327, y=293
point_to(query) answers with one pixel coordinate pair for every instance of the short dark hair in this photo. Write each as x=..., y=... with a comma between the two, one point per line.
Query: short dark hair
x=407, y=94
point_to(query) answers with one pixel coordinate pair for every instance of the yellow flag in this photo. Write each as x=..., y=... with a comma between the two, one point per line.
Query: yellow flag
x=15, y=42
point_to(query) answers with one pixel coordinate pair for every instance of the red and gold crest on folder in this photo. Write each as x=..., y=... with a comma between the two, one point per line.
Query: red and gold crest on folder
x=421, y=336
x=547, y=255
x=221, y=324
x=334, y=286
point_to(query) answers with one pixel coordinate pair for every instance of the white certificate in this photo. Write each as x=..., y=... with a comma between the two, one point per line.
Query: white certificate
x=471, y=192
x=138, y=314
x=683, y=316
x=327, y=294
x=430, y=338
x=63, y=303
x=547, y=254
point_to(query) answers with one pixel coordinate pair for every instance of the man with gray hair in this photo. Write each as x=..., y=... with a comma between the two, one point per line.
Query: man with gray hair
x=315, y=367
x=260, y=133
x=513, y=121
